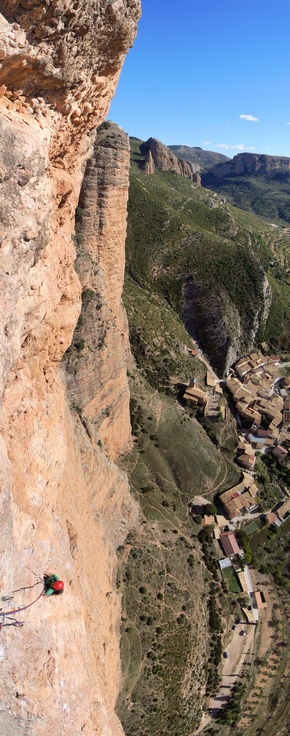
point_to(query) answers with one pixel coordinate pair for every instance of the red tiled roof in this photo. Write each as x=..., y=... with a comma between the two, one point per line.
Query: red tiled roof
x=229, y=544
x=258, y=599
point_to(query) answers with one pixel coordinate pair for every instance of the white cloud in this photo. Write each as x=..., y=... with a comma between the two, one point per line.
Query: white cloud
x=207, y=143
x=250, y=118
x=288, y=123
x=239, y=147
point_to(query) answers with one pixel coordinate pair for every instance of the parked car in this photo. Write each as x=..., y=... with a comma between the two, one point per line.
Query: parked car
x=244, y=632
x=234, y=627
x=226, y=655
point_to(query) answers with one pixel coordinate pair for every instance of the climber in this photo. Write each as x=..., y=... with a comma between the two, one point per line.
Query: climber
x=52, y=585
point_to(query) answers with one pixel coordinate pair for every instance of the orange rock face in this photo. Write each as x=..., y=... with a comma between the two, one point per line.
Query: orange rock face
x=65, y=506
x=159, y=156
x=99, y=386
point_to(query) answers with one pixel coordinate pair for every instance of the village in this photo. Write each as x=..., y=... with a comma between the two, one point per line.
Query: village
x=258, y=396
x=260, y=400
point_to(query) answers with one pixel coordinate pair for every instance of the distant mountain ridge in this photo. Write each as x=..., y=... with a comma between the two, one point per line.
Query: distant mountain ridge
x=249, y=163
x=255, y=182
x=195, y=155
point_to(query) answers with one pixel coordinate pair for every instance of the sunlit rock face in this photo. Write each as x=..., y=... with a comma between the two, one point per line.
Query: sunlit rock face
x=251, y=163
x=65, y=506
x=98, y=385
x=159, y=156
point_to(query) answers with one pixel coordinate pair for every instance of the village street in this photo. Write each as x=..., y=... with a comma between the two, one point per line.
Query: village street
x=239, y=648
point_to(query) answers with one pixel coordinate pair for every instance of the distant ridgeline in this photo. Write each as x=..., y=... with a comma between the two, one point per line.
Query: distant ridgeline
x=223, y=271
x=254, y=182
x=205, y=160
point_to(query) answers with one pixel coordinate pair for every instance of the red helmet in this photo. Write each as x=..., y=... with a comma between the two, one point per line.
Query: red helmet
x=58, y=585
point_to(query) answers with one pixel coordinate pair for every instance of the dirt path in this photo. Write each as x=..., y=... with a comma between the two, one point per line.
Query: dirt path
x=238, y=649
x=224, y=468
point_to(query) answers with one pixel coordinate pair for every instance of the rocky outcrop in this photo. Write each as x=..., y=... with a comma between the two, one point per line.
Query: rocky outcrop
x=149, y=165
x=212, y=318
x=159, y=156
x=196, y=178
x=99, y=388
x=61, y=61
x=65, y=506
x=250, y=163
x=206, y=317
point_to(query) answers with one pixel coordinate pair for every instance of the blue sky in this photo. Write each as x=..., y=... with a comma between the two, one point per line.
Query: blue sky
x=209, y=73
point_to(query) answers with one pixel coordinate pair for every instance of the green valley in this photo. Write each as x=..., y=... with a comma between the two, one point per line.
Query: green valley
x=194, y=261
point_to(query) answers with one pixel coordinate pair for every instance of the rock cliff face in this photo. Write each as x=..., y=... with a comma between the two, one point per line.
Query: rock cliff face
x=212, y=318
x=99, y=388
x=159, y=156
x=65, y=506
x=250, y=163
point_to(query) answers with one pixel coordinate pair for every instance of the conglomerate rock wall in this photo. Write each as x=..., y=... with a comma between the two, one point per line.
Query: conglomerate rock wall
x=99, y=388
x=159, y=156
x=65, y=506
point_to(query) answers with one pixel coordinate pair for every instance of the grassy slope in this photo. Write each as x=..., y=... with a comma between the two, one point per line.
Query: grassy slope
x=205, y=159
x=176, y=228
x=165, y=635
x=158, y=338
x=267, y=196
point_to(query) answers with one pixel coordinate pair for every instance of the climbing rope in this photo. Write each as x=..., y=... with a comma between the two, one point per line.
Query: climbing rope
x=26, y=587
x=21, y=608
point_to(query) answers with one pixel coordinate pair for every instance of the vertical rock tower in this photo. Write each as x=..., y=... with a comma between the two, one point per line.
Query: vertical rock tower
x=99, y=388
x=64, y=504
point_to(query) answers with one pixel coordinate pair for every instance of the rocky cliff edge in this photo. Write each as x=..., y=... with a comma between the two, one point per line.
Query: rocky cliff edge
x=250, y=163
x=65, y=506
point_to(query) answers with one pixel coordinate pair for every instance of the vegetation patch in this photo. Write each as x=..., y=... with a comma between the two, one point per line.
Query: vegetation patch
x=265, y=194
x=231, y=712
x=231, y=579
x=271, y=547
x=251, y=528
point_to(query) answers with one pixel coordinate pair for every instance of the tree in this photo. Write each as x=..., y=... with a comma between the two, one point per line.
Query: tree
x=210, y=509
